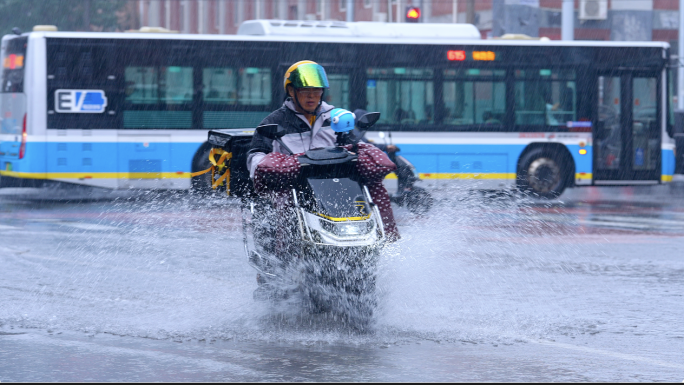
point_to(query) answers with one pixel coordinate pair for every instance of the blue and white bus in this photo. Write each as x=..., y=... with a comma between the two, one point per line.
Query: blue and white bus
x=132, y=110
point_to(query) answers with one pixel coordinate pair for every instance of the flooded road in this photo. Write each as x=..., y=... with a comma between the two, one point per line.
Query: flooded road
x=156, y=287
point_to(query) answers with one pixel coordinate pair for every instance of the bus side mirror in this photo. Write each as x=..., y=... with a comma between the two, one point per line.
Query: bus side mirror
x=368, y=120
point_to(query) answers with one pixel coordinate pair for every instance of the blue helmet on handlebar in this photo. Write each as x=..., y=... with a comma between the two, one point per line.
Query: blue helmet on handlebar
x=342, y=120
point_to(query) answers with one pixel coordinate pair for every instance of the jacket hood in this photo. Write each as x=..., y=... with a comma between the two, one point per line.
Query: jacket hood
x=324, y=108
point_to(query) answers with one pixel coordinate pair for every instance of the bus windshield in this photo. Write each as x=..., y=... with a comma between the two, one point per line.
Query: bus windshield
x=14, y=55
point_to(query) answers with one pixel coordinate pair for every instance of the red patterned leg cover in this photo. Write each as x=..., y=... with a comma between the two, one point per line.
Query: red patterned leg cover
x=273, y=179
x=381, y=198
x=374, y=165
x=285, y=244
x=276, y=172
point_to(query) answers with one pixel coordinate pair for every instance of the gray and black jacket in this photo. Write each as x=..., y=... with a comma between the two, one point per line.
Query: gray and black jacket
x=300, y=135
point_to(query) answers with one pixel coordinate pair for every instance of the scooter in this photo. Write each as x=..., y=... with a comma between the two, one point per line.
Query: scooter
x=416, y=199
x=318, y=242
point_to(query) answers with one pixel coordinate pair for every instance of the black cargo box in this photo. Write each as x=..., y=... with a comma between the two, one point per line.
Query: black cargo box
x=236, y=141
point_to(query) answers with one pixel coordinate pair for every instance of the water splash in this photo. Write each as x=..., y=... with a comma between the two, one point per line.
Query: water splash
x=172, y=266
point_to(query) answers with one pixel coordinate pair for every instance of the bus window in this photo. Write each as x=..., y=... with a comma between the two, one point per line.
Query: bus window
x=243, y=86
x=153, y=85
x=12, y=99
x=254, y=86
x=338, y=94
x=13, y=65
x=474, y=96
x=402, y=95
x=235, y=97
x=152, y=91
x=142, y=85
x=220, y=85
x=545, y=97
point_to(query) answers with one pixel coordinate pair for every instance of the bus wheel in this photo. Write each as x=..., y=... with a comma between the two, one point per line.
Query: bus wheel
x=201, y=184
x=542, y=175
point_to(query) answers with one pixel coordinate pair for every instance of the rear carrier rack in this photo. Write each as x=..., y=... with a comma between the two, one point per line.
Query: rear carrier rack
x=228, y=159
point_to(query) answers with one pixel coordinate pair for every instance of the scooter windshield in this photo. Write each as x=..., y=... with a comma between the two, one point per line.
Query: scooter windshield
x=339, y=199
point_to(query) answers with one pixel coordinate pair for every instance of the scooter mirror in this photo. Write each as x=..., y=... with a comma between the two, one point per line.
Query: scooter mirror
x=271, y=131
x=368, y=119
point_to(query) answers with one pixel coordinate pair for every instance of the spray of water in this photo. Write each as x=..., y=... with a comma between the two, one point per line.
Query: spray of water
x=164, y=265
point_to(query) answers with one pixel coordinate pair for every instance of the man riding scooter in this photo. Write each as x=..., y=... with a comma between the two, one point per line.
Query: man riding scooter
x=306, y=119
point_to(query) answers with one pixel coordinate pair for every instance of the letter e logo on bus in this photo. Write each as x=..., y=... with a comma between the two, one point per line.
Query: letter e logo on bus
x=80, y=101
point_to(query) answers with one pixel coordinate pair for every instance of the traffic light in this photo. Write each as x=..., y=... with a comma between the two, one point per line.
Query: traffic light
x=412, y=15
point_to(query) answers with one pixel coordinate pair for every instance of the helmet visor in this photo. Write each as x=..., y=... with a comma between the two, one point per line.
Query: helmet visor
x=309, y=75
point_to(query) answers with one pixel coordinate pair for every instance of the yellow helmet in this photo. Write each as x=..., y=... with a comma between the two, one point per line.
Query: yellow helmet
x=305, y=73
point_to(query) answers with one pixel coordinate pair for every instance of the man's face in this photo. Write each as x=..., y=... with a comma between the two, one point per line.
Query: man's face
x=309, y=98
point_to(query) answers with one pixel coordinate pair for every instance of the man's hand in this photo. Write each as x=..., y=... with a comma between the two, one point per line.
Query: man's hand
x=392, y=148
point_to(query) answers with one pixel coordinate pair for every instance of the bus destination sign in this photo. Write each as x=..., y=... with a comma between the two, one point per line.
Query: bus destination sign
x=462, y=55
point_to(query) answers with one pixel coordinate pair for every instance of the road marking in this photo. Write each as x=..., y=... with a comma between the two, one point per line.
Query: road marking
x=78, y=225
x=625, y=225
x=620, y=221
x=89, y=226
x=142, y=352
x=655, y=221
x=608, y=353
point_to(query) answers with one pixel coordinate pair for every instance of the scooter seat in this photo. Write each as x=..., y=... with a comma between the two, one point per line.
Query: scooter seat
x=325, y=153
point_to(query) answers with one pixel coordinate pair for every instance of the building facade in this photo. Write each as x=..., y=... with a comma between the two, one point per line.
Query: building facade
x=593, y=19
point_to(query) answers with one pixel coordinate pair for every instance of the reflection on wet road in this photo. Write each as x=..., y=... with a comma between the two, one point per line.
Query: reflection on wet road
x=155, y=287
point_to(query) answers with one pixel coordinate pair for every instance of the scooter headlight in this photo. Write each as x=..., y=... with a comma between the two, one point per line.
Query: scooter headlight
x=342, y=229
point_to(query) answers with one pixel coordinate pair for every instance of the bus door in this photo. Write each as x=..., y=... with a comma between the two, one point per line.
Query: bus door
x=627, y=131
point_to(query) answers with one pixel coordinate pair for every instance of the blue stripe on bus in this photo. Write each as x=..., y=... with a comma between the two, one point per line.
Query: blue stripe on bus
x=482, y=158
x=33, y=162
x=51, y=157
x=81, y=157
x=583, y=163
x=102, y=157
x=668, y=162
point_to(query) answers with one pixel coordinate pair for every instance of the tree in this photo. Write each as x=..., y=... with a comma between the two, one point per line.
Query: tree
x=68, y=15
